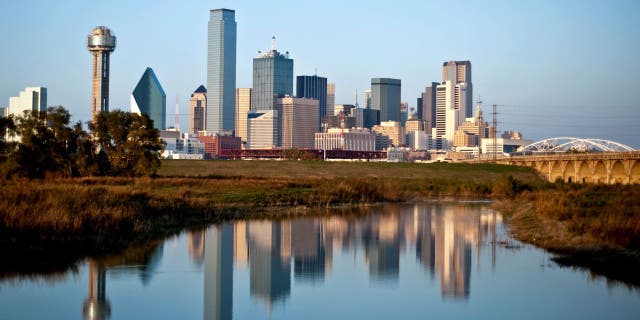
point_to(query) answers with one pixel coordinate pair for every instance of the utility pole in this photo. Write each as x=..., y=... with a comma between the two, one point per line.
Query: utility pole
x=495, y=132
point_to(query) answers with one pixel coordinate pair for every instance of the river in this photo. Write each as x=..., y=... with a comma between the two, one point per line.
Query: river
x=431, y=260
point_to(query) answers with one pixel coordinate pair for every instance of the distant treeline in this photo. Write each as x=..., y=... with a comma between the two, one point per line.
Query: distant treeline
x=44, y=144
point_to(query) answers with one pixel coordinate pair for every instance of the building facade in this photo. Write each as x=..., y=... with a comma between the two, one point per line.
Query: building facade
x=313, y=87
x=243, y=105
x=346, y=139
x=272, y=79
x=263, y=129
x=366, y=118
x=221, y=71
x=299, y=122
x=197, y=109
x=30, y=99
x=450, y=113
x=459, y=72
x=100, y=42
x=385, y=96
x=331, y=96
x=389, y=132
x=428, y=105
x=149, y=98
x=216, y=144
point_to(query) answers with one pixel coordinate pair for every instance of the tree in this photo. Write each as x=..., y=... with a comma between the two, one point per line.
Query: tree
x=128, y=141
x=47, y=144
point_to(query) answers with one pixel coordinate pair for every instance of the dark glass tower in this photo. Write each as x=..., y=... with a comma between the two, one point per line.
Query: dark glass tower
x=316, y=88
x=149, y=98
x=385, y=96
x=272, y=78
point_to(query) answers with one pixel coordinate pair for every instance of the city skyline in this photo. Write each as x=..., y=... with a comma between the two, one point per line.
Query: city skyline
x=575, y=43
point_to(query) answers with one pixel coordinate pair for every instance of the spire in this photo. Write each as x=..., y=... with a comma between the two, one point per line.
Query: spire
x=273, y=43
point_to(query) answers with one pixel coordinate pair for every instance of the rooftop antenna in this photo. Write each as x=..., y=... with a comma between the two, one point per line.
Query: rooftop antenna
x=176, y=116
x=273, y=43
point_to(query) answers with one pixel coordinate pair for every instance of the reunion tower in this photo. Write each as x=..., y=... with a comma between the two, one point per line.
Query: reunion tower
x=100, y=42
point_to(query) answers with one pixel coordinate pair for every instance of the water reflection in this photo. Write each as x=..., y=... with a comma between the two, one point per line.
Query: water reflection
x=376, y=264
x=141, y=260
x=443, y=237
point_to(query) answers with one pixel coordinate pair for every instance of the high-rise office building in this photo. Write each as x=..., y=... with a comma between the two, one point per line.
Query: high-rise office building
x=272, y=78
x=243, y=105
x=100, y=42
x=459, y=72
x=221, y=71
x=331, y=96
x=385, y=96
x=197, y=109
x=428, y=105
x=316, y=88
x=367, y=99
x=30, y=99
x=149, y=98
x=263, y=129
x=299, y=122
x=366, y=118
x=450, y=112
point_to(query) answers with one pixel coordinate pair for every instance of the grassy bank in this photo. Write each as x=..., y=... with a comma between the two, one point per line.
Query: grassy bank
x=592, y=226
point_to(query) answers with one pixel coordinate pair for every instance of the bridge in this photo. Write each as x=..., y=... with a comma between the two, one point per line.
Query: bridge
x=576, y=160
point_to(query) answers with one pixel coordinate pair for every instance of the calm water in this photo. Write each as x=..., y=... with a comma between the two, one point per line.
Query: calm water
x=452, y=261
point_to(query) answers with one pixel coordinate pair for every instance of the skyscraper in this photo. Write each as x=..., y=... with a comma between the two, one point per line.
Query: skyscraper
x=429, y=104
x=449, y=112
x=385, y=96
x=331, y=96
x=272, y=78
x=100, y=42
x=197, y=109
x=243, y=105
x=221, y=71
x=299, y=122
x=149, y=98
x=459, y=72
x=314, y=87
x=367, y=99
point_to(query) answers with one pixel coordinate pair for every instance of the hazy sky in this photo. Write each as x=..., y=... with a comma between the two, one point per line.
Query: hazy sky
x=555, y=68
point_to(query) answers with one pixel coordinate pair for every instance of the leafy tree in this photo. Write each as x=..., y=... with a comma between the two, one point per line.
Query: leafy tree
x=129, y=143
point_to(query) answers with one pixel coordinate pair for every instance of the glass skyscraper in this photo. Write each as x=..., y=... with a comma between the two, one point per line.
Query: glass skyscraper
x=272, y=78
x=149, y=98
x=385, y=96
x=316, y=88
x=221, y=72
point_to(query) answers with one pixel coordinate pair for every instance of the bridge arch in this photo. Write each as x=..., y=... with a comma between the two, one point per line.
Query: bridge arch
x=618, y=172
x=599, y=172
x=585, y=173
x=570, y=172
x=556, y=170
x=635, y=172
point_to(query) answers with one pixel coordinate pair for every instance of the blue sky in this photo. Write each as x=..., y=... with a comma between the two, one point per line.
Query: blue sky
x=555, y=68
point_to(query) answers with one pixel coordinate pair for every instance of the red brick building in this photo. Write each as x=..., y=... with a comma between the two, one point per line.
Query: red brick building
x=213, y=145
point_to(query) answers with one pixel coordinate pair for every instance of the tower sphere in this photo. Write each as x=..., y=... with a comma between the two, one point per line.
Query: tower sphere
x=101, y=39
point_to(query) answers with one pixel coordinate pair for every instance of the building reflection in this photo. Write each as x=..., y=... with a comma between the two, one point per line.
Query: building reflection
x=139, y=259
x=270, y=260
x=218, y=272
x=442, y=238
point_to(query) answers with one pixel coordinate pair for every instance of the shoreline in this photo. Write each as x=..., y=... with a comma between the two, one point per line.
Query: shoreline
x=99, y=215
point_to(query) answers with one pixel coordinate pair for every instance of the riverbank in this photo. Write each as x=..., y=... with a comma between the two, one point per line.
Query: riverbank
x=61, y=219
x=591, y=226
